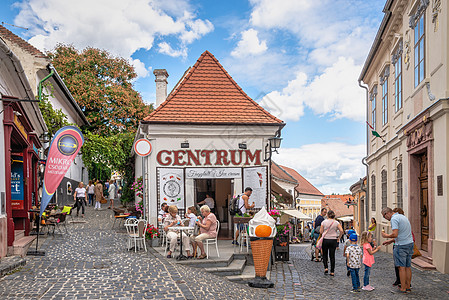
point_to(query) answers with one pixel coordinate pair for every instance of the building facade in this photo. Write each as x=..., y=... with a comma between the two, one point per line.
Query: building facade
x=358, y=191
x=406, y=77
x=37, y=66
x=208, y=137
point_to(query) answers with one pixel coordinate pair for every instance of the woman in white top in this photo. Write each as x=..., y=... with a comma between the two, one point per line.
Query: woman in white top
x=91, y=192
x=80, y=197
x=111, y=191
x=209, y=201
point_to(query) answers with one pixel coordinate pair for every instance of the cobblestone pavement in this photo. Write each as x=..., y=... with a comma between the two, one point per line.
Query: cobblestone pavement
x=307, y=279
x=91, y=262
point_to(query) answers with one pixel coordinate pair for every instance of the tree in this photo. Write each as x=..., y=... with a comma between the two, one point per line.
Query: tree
x=102, y=86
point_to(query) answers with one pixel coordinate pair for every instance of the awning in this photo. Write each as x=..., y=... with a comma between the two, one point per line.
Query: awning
x=346, y=218
x=296, y=214
x=277, y=190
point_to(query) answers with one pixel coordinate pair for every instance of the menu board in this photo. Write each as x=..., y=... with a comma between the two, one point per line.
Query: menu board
x=256, y=178
x=171, y=186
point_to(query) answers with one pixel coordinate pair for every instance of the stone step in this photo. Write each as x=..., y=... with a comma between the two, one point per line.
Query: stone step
x=207, y=263
x=422, y=263
x=18, y=234
x=20, y=246
x=248, y=273
x=235, y=268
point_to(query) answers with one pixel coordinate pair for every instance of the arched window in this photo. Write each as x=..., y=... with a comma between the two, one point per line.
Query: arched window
x=383, y=182
x=373, y=193
x=399, y=201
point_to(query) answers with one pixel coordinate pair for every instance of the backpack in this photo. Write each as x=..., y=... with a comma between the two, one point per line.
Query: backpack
x=234, y=206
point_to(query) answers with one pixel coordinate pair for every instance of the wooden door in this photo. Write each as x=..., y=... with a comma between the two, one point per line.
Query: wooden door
x=424, y=202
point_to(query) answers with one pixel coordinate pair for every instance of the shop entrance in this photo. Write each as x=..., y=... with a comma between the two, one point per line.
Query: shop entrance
x=220, y=191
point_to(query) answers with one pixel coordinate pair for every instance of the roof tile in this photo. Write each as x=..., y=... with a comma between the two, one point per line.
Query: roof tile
x=208, y=88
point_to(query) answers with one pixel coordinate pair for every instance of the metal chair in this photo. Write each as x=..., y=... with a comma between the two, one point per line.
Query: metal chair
x=138, y=234
x=244, y=238
x=213, y=241
x=130, y=225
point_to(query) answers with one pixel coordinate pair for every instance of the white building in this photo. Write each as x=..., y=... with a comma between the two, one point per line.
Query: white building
x=208, y=136
x=36, y=67
x=406, y=78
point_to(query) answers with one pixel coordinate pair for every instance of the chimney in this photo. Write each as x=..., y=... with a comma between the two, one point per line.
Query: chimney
x=161, y=85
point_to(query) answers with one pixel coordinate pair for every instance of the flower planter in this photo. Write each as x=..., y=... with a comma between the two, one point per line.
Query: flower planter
x=154, y=242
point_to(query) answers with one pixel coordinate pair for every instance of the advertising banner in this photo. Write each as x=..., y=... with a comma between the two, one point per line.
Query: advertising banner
x=256, y=178
x=171, y=186
x=17, y=193
x=64, y=147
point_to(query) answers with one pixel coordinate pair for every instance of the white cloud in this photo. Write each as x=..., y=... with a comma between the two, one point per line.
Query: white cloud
x=335, y=92
x=331, y=167
x=165, y=48
x=140, y=68
x=249, y=44
x=121, y=27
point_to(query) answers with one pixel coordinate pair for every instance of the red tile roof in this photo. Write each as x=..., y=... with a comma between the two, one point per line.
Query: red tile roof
x=8, y=35
x=338, y=206
x=344, y=198
x=207, y=94
x=278, y=173
x=304, y=187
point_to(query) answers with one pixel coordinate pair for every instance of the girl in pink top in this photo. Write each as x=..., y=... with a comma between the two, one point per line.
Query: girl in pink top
x=368, y=257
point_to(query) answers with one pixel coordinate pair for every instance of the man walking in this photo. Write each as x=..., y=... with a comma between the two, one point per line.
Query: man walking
x=402, y=253
x=317, y=225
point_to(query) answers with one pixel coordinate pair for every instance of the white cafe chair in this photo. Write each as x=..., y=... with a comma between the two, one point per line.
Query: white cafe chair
x=213, y=241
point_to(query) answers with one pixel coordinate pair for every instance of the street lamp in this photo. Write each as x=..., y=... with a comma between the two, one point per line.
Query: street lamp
x=273, y=144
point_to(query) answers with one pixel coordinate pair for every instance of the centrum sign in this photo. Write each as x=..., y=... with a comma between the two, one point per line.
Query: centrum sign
x=209, y=157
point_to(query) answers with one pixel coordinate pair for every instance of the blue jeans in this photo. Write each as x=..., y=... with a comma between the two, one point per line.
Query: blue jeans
x=366, y=277
x=355, y=278
x=91, y=199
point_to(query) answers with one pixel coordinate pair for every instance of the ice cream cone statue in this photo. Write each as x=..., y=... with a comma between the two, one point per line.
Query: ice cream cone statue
x=262, y=230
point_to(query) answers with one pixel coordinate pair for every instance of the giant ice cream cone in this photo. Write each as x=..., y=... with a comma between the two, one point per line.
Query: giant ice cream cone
x=262, y=229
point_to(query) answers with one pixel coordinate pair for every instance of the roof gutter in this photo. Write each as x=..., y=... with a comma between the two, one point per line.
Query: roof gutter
x=24, y=80
x=366, y=216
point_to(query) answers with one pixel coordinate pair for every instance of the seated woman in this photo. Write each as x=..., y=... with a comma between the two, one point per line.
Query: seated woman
x=172, y=219
x=208, y=229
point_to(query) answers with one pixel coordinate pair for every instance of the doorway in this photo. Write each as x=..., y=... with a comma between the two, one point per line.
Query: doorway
x=220, y=191
x=424, y=200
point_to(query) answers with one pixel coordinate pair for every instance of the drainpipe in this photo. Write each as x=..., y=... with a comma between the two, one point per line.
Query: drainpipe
x=39, y=88
x=362, y=221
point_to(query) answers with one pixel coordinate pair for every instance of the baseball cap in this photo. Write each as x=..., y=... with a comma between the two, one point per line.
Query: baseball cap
x=351, y=231
x=353, y=237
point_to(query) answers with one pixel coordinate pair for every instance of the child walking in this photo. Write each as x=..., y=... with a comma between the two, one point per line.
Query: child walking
x=354, y=261
x=347, y=243
x=368, y=257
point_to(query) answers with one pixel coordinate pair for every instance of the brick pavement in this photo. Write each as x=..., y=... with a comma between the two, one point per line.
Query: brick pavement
x=316, y=285
x=91, y=262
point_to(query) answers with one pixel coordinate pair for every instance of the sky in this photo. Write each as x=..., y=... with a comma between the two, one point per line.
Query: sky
x=299, y=59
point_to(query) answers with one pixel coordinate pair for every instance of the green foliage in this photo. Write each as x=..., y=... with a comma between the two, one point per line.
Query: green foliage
x=54, y=118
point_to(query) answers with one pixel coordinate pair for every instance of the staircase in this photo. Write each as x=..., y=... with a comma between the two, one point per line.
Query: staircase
x=423, y=262
x=21, y=243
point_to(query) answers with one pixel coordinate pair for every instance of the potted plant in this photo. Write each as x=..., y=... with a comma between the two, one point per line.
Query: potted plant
x=281, y=242
x=152, y=234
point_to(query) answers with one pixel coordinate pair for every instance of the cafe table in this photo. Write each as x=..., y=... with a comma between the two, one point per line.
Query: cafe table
x=181, y=229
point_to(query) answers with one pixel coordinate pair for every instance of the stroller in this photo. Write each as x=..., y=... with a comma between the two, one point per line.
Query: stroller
x=313, y=246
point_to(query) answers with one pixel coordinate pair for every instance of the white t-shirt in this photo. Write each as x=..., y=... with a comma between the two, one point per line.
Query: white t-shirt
x=91, y=189
x=80, y=192
x=209, y=202
x=242, y=204
x=111, y=191
x=192, y=218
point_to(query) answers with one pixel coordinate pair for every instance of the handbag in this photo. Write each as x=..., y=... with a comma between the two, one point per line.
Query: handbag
x=103, y=200
x=319, y=243
x=416, y=252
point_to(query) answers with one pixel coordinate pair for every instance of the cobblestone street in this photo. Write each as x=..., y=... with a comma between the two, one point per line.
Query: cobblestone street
x=91, y=262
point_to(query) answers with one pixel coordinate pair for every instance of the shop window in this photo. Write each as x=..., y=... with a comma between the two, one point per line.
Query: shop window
x=373, y=193
x=399, y=185
x=384, y=188
x=419, y=30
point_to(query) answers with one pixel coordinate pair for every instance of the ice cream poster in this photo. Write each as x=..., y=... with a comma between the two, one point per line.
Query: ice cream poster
x=256, y=178
x=171, y=186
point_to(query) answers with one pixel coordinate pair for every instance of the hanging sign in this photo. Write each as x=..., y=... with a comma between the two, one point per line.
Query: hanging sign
x=171, y=186
x=64, y=147
x=17, y=186
x=256, y=178
x=142, y=147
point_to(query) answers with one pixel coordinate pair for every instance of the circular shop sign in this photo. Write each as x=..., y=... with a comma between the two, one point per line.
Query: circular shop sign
x=142, y=147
